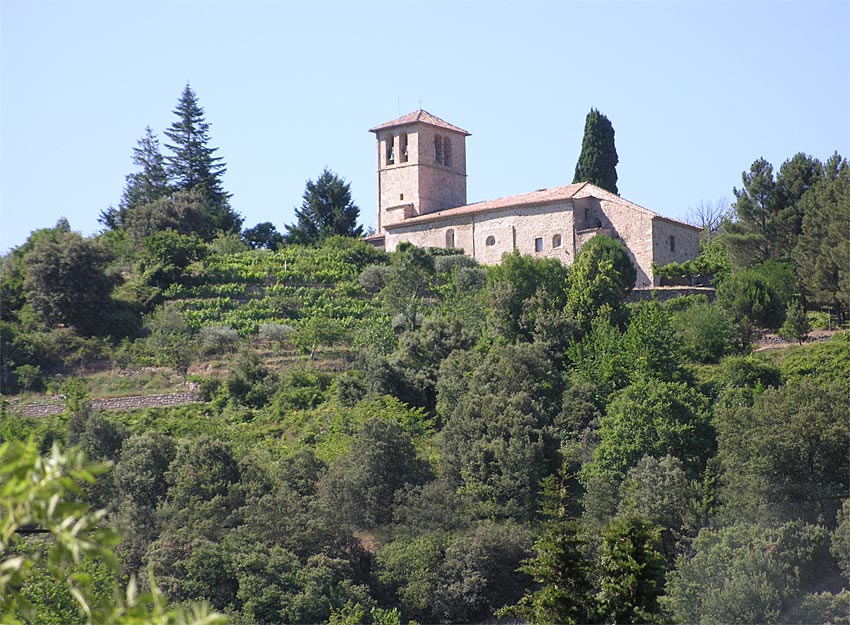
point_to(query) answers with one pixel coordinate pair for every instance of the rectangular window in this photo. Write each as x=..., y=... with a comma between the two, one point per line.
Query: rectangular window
x=447, y=152
x=672, y=243
x=538, y=244
x=390, y=150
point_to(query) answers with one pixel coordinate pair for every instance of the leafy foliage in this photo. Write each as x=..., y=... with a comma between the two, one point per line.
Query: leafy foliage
x=747, y=296
x=380, y=435
x=786, y=457
x=601, y=276
x=745, y=573
x=66, y=283
x=40, y=491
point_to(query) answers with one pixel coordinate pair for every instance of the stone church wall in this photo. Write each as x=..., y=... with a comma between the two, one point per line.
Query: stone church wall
x=487, y=236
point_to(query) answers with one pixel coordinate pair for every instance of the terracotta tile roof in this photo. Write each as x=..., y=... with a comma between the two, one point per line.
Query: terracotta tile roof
x=421, y=116
x=543, y=196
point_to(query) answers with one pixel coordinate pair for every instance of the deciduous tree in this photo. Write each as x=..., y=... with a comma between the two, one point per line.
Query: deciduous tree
x=65, y=281
x=602, y=275
x=262, y=236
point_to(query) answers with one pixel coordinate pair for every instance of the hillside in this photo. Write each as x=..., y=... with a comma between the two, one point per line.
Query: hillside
x=371, y=437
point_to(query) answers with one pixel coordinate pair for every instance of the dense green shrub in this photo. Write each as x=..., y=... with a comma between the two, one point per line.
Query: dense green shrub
x=706, y=331
x=747, y=296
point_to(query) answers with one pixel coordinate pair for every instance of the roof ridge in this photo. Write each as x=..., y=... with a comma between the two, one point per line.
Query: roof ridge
x=421, y=116
x=544, y=196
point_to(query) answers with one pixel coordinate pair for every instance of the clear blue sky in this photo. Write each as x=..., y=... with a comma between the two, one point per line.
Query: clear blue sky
x=696, y=92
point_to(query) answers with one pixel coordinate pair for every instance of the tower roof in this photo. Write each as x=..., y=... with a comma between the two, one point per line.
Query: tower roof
x=421, y=116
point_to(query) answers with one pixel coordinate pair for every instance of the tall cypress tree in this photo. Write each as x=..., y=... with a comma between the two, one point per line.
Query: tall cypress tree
x=597, y=163
x=193, y=165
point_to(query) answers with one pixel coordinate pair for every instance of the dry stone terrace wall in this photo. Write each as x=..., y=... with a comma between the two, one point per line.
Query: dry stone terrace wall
x=114, y=404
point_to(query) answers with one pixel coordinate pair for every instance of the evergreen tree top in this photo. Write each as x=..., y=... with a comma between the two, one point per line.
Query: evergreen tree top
x=597, y=163
x=193, y=162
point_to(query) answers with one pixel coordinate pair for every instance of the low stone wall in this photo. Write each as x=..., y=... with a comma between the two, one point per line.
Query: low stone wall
x=114, y=404
x=664, y=293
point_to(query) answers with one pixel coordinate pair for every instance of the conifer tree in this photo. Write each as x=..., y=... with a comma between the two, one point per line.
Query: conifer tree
x=327, y=210
x=631, y=574
x=193, y=165
x=151, y=182
x=597, y=163
x=824, y=243
x=144, y=186
x=559, y=567
x=796, y=326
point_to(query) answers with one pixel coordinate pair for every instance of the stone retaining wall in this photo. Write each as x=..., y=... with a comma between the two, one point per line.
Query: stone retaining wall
x=665, y=293
x=114, y=404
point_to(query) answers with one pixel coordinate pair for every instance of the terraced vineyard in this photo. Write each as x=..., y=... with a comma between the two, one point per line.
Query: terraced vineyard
x=291, y=286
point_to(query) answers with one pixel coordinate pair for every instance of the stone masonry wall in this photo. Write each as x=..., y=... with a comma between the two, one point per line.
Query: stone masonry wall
x=114, y=404
x=645, y=233
x=519, y=226
x=686, y=242
x=440, y=186
x=398, y=184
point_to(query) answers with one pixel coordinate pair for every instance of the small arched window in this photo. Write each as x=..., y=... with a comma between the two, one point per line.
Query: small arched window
x=402, y=145
x=597, y=223
x=390, y=150
x=438, y=149
x=450, y=239
x=556, y=241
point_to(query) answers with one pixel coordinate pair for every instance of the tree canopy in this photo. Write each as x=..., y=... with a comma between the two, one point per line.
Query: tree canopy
x=327, y=210
x=193, y=165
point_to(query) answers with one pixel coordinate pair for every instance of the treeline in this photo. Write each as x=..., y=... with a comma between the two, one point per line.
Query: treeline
x=787, y=235
x=65, y=298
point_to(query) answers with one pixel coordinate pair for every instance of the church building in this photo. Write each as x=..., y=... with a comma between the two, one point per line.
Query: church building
x=422, y=199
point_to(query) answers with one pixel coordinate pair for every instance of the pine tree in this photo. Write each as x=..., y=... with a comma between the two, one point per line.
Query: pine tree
x=193, y=166
x=770, y=210
x=824, y=244
x=796, y=326
x=327, y=210
x=597, y=163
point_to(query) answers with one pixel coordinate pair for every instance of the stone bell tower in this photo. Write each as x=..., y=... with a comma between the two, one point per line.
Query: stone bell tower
x=421, y=167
